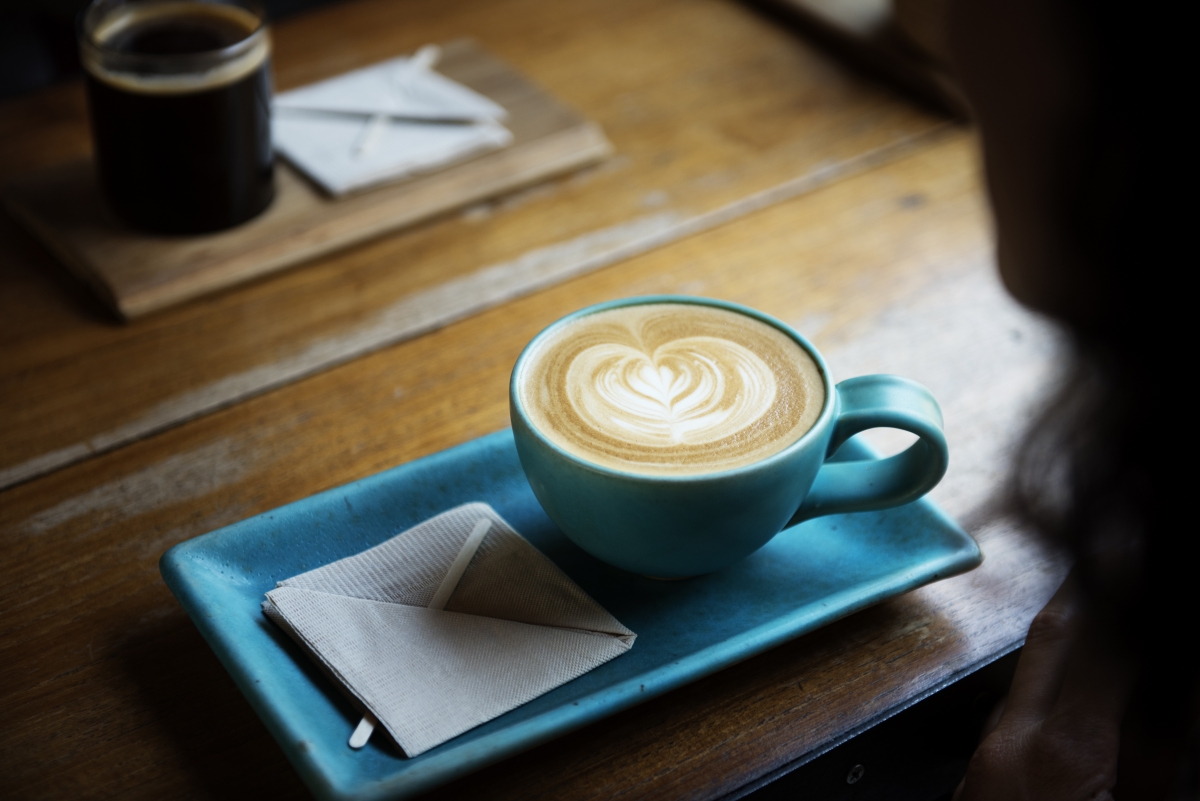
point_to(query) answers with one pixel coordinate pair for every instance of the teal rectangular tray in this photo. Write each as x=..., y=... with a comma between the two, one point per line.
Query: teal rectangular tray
x=806, y=577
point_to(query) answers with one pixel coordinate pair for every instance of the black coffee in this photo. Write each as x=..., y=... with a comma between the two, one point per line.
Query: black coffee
x=180, y=108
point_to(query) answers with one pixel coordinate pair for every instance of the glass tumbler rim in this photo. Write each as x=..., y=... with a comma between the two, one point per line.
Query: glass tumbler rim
x=98, y=56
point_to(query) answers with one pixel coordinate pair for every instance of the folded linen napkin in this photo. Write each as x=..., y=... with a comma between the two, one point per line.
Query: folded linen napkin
x=416, y=119
x=514, y=627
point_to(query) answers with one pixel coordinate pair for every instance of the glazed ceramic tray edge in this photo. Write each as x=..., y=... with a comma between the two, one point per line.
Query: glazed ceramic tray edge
x=182, y=571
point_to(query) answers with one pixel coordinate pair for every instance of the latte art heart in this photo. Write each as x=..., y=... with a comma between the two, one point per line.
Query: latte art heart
x=670, y=388
x=691, y=391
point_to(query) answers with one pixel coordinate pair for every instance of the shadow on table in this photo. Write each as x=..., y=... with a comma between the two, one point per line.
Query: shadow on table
x=227, y=751
x=920, y=754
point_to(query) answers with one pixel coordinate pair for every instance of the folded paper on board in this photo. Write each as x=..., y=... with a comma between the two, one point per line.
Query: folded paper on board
x=416, y=119
x=514, y=628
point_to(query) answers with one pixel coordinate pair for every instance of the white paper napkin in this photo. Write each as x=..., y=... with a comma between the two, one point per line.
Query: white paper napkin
x=428, y=121
x=514, y=628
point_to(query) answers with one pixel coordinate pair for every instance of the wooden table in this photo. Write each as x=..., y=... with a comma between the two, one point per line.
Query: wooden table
x=839, y=207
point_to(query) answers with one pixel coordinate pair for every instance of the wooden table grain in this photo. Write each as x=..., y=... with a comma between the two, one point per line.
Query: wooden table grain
x=714, y=112
x=107, y=690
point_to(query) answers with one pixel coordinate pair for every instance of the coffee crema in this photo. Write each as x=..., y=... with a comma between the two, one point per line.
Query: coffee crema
x=670, y=389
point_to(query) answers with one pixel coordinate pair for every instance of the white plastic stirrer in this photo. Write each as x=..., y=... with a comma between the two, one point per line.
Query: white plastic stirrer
x=422, y=60
x=362, y=732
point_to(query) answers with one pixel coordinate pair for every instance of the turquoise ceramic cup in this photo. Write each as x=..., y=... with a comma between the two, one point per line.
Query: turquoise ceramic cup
x=680, y=526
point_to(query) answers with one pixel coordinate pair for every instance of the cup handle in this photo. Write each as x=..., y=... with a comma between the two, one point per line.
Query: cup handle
x=879, y=401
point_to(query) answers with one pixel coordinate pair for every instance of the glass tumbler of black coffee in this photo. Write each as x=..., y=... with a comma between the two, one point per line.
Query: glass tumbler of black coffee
x=179, y=94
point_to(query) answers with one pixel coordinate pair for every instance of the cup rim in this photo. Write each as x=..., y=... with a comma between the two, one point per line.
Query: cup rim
x=167, y=63
x=642, y=300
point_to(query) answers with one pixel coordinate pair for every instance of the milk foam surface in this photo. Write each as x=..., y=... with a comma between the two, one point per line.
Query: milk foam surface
x=670, y=389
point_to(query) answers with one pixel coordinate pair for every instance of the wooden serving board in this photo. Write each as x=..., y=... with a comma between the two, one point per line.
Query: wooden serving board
x=136, y=273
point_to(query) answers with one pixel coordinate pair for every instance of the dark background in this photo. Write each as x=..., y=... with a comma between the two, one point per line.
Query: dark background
x=37, y=39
